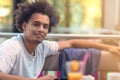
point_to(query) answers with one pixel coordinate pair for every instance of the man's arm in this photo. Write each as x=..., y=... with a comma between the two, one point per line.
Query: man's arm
x=78, y=43
x=4, y=76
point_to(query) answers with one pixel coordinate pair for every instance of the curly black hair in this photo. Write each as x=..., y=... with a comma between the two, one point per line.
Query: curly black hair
x=26, y=9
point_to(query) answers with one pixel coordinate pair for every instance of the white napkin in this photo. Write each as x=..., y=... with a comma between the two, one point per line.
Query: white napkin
x=113, y=76
x=88, y=77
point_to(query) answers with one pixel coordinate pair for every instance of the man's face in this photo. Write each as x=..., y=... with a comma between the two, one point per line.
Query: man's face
x=36, y=29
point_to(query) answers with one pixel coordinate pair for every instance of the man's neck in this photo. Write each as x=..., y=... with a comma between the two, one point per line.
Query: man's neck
x=30, y=47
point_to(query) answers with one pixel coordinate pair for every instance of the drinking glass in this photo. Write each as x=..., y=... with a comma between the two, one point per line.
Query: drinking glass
x=73, y=70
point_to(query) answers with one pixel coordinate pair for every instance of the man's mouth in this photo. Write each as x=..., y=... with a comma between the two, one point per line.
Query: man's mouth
x=39, y=35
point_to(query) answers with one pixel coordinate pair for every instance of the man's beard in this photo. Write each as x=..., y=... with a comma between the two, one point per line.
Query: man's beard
x=37, y=41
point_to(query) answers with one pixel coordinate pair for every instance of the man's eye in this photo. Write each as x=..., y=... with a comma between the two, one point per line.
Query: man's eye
x=36, y=25
x=46, y=26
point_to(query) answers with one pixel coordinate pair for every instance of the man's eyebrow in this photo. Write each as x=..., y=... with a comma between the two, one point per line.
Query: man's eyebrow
x=37, y=21
x=40, y=22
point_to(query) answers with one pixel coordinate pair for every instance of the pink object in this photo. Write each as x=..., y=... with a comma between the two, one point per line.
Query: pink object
x=96, y=76
x=40, y=75
x=84, y=62
x=58, y=74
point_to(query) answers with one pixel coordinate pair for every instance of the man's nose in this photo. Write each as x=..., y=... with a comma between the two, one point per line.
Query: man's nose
x=41, y=28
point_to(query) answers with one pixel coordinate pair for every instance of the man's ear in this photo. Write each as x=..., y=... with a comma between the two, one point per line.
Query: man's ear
x=24, y=26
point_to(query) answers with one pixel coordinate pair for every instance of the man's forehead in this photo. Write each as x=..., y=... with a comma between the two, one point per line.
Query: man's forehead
x=39, y=18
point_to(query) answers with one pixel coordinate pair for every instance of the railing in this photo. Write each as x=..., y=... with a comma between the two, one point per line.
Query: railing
x=73, y=36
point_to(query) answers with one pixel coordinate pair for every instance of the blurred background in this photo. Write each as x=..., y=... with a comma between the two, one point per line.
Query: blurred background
x=76, y=16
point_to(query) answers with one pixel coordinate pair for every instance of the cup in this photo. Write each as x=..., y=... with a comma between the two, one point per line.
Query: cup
x=73, y=70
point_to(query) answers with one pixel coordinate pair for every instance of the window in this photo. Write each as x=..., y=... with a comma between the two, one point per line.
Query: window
x=77, y=15
x=6, y=16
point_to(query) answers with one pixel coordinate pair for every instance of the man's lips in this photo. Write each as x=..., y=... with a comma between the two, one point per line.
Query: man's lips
x=39, y=35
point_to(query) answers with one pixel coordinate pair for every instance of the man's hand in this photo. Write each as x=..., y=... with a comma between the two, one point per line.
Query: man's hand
x=115, y=50
x=47, y=77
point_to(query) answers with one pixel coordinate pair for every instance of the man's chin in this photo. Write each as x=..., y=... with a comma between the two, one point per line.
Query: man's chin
x=37, y=41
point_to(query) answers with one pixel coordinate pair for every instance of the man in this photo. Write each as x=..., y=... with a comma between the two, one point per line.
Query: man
x=22, y=57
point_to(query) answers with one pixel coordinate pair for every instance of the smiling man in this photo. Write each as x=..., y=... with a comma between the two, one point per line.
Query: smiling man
x=22, y=57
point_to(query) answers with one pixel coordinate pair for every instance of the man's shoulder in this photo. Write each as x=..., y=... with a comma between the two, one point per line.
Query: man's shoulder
x=48, y=41
x=48, y=44
x=13, y=41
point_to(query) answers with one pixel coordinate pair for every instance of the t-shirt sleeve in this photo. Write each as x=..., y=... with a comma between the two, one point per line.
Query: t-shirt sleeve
x=51, y=47
x=7, y=58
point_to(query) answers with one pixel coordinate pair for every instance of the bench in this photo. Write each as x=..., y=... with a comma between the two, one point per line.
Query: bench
x=108, y=63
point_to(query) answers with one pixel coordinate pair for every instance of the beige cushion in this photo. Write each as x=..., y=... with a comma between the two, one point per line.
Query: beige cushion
x=109, y=62
x=51, y=63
